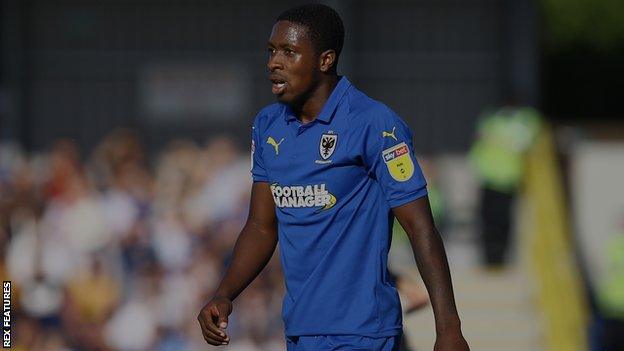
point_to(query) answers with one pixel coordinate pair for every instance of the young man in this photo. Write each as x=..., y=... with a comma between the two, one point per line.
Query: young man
x=331, y=169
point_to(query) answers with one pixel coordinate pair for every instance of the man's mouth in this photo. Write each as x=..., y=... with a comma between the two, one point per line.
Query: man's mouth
x=278, y=86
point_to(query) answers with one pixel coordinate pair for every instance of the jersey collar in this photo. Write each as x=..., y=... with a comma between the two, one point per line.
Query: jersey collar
x=330, y=105
x=334, y=99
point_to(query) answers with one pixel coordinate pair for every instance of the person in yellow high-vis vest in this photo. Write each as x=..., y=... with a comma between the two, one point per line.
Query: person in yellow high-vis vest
x=497, y=157
x=610, y=296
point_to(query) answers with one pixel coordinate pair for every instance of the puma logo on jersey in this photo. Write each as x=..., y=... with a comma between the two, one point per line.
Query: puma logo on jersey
x=275, y=144
x=388, y=134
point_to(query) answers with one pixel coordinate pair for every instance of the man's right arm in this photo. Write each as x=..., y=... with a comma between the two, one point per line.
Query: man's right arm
x=253, y=250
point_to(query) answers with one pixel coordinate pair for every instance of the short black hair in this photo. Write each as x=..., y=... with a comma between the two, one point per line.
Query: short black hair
x=324, y=25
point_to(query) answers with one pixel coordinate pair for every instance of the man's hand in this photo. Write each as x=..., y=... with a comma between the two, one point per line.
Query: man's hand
x=213, y=320
x=451, y=341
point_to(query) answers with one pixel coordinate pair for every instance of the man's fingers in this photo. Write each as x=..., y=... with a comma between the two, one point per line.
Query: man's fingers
x=221, y=318
x=211, y=339
x=222, y=322
x=212, y=334
x=211, y=327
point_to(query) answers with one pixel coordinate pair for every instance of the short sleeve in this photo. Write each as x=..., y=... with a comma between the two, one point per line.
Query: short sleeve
x=388, y=155
x=258, y=171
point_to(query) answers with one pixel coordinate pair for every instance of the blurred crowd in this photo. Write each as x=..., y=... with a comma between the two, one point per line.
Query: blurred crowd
x=115, y=251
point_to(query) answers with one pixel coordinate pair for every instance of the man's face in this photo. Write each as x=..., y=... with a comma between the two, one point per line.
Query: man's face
x=293, y=62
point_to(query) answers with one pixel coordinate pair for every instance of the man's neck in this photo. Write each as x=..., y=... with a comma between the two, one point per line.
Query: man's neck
x=312, y=107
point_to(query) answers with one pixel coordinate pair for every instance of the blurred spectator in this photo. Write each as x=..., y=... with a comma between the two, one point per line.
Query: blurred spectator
x=222, y=184
x=75, y=217
x=91, y=297
x=174, y=174
x=94, y=293
x=64, y=168
x=611, y=293
x=503, y=137
x=118, y=151
x=171, y=241
x=132, y=327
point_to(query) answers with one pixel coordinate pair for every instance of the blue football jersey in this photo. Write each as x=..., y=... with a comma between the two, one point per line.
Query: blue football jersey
x=334, y=181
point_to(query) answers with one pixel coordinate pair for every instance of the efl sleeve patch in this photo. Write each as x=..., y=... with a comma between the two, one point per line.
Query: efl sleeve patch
x=386, y=149
x=399, y=162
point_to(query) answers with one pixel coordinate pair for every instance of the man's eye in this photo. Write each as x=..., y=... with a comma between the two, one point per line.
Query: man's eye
x=289, y=52
x=271, y=51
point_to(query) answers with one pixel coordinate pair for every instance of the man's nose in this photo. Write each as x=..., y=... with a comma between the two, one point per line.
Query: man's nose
x=274, y=63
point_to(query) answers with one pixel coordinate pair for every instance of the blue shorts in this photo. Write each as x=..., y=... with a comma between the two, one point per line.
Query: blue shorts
x=342, y=343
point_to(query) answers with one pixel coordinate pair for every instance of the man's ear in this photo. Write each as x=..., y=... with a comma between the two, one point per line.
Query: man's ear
x=327, y=60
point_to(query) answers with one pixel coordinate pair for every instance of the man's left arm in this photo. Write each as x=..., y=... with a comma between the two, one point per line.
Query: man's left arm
x=415, y=217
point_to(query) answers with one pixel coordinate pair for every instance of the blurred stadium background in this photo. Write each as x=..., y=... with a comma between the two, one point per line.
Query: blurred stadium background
x=124, y=130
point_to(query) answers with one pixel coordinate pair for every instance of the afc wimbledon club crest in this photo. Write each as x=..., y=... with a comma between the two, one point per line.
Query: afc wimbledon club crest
x=399, y=162
x=327, y=145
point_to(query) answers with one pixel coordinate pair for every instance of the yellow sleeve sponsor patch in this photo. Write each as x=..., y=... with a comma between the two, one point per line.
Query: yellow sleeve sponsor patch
x=399, y=162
